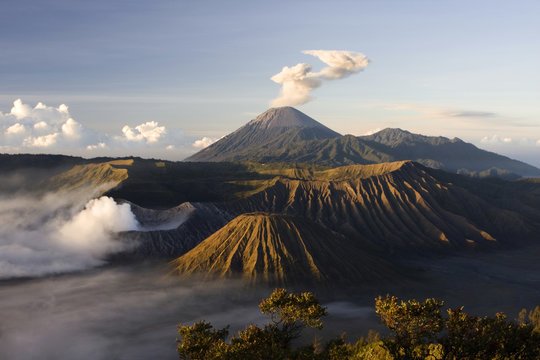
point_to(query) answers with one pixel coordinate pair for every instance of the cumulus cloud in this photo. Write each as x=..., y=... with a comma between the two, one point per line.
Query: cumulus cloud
x=52, y=129
x=41, y=141
x=15, y=129
x=20, y=110
x=298, y=81
x=372, y=131
x=149, y=132
x=100, y=145
x=496, y=139
x=203, y=143
x=59, y=233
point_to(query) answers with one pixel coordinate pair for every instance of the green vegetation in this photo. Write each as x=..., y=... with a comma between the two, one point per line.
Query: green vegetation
x=418, y=331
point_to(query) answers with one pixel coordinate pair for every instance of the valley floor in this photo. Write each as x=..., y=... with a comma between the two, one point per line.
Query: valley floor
x=131, y=311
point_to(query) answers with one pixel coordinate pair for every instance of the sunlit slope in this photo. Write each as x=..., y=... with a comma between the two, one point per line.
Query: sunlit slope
x=278, y=248
x=105, y=175
x=389, y=206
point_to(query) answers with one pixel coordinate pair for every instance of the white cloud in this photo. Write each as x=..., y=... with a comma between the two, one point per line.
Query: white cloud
x=41, y=141
x=372, y=131
x=71, y=129
x=63, y=108
x=204, y=142
x=496, y=139
x=100, y=145
x=32, y=128
x=149, y=132
x=15, y=129
x=20, y=110
x=42, y=125
x=40, y=105
x=298, y=81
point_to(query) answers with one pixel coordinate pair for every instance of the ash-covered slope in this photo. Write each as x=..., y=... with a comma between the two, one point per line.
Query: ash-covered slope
x=282, y=249
x=173, y=232
x=268, y=132
x=401, y=205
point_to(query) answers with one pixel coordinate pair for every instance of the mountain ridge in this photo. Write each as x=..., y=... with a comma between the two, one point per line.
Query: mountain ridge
x=287, y=135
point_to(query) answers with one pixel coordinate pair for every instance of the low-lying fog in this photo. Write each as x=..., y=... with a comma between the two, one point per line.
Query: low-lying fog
x=122, y=313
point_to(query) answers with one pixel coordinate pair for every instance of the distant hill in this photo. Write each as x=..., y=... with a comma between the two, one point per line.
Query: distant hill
x=448, y=154
x=287, y=135
x=280, y=249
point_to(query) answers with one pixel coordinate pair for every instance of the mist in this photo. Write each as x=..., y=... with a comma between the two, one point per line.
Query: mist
x=60, y=232
x=128, y=313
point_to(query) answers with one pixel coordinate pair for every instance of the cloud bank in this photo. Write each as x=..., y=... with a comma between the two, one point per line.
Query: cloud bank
x=297, y=82
x=59, y=233
x=49, y=129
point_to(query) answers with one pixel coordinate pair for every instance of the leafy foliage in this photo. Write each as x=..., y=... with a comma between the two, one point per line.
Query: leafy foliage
x=415, y=325
x=419, y=331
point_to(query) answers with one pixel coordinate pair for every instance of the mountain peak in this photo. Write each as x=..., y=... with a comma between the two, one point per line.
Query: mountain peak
x=284, y=117
x=396, y=136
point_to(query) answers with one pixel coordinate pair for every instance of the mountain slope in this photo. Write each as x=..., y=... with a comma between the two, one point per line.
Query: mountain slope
x=271, y=130
x=275, y=248
x=287, y=135
x=440, y=152
x=396, y=206
x=389, y=208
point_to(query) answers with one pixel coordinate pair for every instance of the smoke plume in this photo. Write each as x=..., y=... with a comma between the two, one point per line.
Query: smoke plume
x=298, y=81
x=59, y=233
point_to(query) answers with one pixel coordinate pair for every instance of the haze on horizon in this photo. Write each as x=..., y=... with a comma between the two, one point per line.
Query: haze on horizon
x=166, y=79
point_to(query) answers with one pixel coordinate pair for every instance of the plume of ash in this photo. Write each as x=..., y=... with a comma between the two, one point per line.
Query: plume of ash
x=298, y=81
x=59, y=232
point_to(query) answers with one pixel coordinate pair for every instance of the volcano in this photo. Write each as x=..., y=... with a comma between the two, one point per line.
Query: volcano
x=288, y=135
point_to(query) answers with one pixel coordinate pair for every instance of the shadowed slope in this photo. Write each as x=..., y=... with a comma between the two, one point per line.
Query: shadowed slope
x=277, y=248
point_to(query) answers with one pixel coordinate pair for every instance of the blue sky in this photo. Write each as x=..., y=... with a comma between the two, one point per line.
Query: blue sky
x=197, y=69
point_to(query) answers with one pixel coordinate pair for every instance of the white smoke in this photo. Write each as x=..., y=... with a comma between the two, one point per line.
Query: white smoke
x=55, y=234
x=298, y=81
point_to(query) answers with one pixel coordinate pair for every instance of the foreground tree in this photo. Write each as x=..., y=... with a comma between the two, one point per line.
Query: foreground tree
x=419, y=331
x=415, y=326
x=289, y=314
